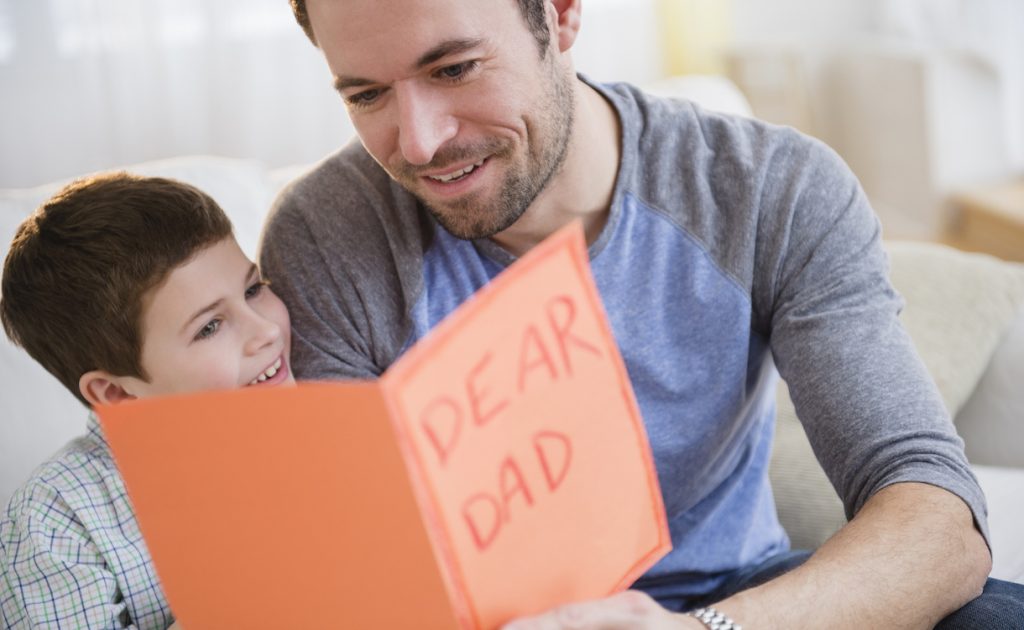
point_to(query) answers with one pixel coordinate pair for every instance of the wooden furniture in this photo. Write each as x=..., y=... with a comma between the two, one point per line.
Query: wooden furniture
x=990, y=219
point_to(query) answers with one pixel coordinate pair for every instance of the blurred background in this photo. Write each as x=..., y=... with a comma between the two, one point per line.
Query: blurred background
x=923, y=98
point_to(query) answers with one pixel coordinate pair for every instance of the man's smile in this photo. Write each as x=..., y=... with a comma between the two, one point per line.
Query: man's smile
x=456, y=174
x=455, y=182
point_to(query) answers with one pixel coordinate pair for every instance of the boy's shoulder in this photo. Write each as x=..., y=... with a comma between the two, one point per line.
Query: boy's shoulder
x=71, y=553
x=78, y=482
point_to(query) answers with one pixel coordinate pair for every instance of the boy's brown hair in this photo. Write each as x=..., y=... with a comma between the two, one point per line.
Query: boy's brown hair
x=81, y=265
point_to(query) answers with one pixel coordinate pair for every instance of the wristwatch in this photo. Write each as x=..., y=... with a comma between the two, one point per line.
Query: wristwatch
x=713, y=619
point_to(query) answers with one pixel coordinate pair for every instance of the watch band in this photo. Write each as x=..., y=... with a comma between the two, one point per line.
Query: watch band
x=713, y=619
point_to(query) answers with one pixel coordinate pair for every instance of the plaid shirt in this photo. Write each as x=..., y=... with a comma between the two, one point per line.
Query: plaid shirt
x=71, y=555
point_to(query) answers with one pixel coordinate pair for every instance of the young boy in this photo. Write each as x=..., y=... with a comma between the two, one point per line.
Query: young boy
x=122, y=287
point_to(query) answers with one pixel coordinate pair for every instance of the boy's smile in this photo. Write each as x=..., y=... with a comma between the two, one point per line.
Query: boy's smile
x=213, y=323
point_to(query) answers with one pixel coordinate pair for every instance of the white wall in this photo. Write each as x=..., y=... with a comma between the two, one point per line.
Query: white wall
x=92, y=85
x=237, y=78
x=804, y=23
x=921, y=97
x=619, y=41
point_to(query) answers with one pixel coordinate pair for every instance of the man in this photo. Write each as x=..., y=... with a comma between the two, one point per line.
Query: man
x=716, y=243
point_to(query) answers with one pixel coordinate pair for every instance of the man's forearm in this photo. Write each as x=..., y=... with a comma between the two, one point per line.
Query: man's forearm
x=909, y=558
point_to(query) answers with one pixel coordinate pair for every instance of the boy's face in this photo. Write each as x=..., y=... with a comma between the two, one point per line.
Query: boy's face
x=212, y=324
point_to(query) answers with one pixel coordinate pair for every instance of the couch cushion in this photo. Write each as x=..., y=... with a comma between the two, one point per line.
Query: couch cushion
x=1002, y=488
x=991, y=422
x=958, y=306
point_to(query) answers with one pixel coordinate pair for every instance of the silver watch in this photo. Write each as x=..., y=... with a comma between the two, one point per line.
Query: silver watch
x=714, y=619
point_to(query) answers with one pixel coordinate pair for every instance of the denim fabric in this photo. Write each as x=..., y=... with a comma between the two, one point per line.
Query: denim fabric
x=1000, y=606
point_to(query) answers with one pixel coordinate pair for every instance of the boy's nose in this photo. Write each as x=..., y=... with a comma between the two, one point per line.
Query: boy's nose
x=424, y=123
x=262, y=332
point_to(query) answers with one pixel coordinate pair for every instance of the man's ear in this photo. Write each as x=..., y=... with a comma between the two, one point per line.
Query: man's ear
x=103, y=388
x=567, y=23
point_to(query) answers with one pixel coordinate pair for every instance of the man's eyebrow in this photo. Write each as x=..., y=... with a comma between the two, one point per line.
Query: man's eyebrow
x=342, y=83
x=442, y=50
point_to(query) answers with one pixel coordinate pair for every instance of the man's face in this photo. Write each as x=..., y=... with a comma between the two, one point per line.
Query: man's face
x=453, y=100
x=213, y=324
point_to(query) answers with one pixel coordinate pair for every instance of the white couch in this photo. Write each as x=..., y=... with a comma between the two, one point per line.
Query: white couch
x=966, y=312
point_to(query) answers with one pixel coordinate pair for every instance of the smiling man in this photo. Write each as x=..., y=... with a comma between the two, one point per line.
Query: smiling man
x=722, y=247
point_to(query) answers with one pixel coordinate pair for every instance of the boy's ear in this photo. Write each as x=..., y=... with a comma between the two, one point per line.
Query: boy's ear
x=567, y=23
x=103, y=388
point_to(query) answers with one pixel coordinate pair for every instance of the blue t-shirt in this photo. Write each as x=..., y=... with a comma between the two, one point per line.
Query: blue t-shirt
x=732, y=247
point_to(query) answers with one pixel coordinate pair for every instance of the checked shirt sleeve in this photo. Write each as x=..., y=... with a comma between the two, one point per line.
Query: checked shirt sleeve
x=53, y=574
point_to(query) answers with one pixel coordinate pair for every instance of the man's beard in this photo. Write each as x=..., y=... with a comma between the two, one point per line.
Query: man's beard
x=471, y=217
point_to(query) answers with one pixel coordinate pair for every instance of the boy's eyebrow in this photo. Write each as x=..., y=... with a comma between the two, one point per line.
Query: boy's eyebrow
x=200, y=313
x=440, y=51
x=254, y=272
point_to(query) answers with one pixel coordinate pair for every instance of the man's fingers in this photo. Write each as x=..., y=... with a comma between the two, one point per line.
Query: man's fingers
x=630, y=609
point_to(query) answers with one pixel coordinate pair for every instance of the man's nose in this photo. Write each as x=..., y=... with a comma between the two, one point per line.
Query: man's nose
x=425, y=122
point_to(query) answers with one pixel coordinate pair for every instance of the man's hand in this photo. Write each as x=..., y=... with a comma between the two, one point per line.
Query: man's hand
x=631, y=610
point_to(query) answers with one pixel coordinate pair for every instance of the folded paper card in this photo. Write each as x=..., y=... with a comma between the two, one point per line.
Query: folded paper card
x=499, y=468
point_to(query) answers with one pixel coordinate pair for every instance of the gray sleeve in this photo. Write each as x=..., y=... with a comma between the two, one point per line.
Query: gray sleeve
x=870, y=409
x=343, y=254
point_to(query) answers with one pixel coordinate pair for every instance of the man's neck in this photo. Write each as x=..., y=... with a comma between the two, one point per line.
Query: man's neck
x=583, y=187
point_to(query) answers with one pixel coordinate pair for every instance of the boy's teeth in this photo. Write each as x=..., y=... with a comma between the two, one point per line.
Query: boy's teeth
x=457, y=174
x=268, y=373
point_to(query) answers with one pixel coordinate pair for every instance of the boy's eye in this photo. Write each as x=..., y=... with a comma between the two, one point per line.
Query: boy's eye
x=209, y=330
x=255, y=289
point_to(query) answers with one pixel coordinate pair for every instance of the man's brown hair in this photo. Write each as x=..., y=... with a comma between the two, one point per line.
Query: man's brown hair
x=532, y=10
x=81, y=265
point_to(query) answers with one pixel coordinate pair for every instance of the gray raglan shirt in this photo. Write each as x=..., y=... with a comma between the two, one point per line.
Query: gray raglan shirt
x=729, y=243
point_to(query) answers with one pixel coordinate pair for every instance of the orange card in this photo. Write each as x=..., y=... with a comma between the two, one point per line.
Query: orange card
x=498, y=469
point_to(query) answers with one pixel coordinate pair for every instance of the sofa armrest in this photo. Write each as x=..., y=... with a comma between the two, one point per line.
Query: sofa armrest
x=991, y=422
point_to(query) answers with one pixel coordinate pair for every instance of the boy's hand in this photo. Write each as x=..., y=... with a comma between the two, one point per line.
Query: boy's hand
x=175, y=626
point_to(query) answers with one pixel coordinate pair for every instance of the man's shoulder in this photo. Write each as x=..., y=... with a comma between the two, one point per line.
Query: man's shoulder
x=348, y=202
x=350, y=165
x=344, y=247
x=348, y=181
x=675, y=149
x=664, y=126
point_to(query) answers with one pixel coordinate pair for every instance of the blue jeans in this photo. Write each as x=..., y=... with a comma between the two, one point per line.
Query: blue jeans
x=999, y=607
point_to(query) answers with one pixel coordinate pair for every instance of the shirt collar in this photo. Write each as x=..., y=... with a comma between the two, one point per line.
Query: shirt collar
x=95, y=430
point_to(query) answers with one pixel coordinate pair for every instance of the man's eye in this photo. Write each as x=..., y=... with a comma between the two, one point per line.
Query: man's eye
x=457, y=71
x=366, y=97
x=208, y=330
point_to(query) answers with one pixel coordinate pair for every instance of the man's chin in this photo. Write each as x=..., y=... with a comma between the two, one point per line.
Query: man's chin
x=461, y=223
x=474, y=215
x=468, y=231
